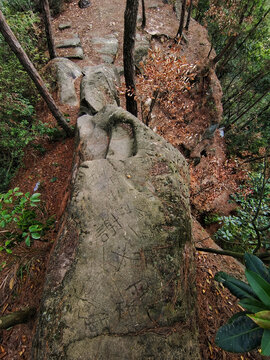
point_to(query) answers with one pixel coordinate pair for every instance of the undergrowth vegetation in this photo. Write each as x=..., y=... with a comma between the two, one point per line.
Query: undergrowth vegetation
x=21, y=219
x=242, y=231
x=18, y=96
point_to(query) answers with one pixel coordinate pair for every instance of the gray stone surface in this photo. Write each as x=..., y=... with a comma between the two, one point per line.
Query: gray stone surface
x=98, y=88
x=66, y=72
x=142, y=45
x=64, y=26
x=71, y=53
x=107, y=47
x=120, y=282
x=67, y=43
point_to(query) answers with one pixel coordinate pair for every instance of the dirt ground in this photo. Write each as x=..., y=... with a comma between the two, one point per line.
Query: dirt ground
x=51, y=165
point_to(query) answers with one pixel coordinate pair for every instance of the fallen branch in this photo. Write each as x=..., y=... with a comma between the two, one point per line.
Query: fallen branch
x=222, y=252
x=17, y=317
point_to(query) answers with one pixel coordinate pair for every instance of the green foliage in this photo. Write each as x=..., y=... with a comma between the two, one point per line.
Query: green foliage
x=19, y=219
x=243, y=71
x=238, y=231
x=248, y=329
x=19, y=5
x=18, y=95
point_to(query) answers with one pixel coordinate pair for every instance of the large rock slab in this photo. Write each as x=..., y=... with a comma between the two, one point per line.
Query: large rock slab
x=98, y=88
x=107, y=47
x=74, y=41
x=65, y=72
x=120, y=282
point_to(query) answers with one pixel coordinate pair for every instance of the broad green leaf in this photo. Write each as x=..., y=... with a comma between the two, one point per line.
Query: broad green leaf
x=35, y=235
x=237, y=287
x=252, y=305
x=237, y=315
x=27, y=241
x=262, y=319
x=260, y=286
x=265, y=345
x=9, y=251
x=33, y=228
x=239, y=336
x=253, y=263
x=35, y=196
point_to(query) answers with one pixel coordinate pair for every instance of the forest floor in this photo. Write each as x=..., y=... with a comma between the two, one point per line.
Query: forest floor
x=50, y=164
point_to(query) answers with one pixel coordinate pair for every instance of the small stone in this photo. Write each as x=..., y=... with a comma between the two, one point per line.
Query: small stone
x=66, y=43
x=83, y=4
x=72, y=53
x=64, y=26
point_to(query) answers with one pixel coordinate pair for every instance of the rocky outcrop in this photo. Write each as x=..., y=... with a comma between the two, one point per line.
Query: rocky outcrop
x=98, y=88
x=65, y=72
x=121, y=278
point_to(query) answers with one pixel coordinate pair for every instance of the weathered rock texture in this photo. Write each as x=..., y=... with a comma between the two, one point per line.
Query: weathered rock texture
x=120, y=283
x=66, y=72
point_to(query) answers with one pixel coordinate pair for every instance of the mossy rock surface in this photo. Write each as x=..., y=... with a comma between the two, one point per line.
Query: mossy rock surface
x=120, y=283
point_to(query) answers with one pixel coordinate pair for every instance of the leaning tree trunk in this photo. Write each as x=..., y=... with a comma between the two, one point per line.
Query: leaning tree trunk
x=189, y=15
x=129, y=43
x=182, y=19
x=143, y=15
x=48, y=28
x=33, y=73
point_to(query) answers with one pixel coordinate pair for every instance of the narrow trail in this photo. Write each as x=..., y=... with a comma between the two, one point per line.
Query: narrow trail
x=97, y=32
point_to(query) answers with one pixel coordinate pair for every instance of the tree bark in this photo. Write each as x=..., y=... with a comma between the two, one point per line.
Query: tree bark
x=182, y=19
x=246, y=87
x=130, y=23
x=33, y=73
x=246, y=110
x=143, y=15
x=189, y=15
x=230, y=43
x=17, y=317
x=48, y=28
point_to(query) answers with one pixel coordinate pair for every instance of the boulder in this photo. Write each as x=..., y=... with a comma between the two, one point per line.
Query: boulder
x=64, y=26
x=121, y=278
x=98, y=88
x=71, y=53
x=107, y=47
x=65, y=72
x=67, y=43
x=142, y=45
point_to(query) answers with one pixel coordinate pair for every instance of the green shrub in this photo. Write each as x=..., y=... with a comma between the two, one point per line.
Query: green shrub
x=18, y=95
x=248, y=329
x=19, y=219
x=238, y=231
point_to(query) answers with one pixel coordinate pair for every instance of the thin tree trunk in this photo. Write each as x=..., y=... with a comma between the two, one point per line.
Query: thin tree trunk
x=130, y=23
x=17, y=317
x=246, y=110
x=182, y=19
x=143, y=15
x=232, y=80
x=48, y=28
x=189, y=15
x=244, y=88
x=256, y=116
x=231, y=41
x=33, y=73
x=251, y=31
x=237, y=96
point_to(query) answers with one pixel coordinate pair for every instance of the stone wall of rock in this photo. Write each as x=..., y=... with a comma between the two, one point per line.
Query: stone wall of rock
x=121, y=278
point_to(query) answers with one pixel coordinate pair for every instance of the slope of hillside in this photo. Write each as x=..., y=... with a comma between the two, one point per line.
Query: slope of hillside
x=212, y=178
